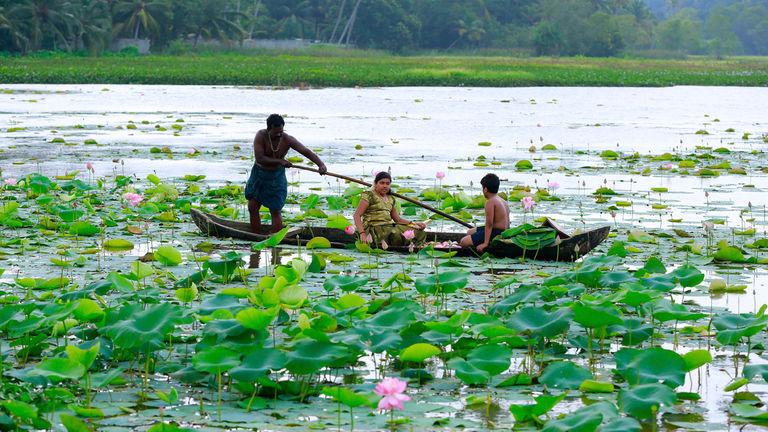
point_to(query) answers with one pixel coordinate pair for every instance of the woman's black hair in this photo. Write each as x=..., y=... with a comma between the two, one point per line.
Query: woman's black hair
x=382, y=175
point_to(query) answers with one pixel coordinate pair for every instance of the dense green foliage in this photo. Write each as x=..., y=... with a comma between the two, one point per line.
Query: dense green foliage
x=544, y=27
x=325, y=69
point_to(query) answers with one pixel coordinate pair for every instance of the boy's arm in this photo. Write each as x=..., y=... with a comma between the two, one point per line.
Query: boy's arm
x=490, y=211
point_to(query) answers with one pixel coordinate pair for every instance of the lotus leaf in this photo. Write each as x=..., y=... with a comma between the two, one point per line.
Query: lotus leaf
x=117, y=245
x=58, y=369
x=256, y=319
x=309, y=356
x=318, y=243
x=644, y=401
x=651, y=366
x=467, y=372
x=443, y=283
x=215, y=360
x=539, y=323
x=141, y=329
x=350, y=398
x=344, y=282
x=544, y=404
x=85, y=229
x=564, y=375
x=168, y=255
x=272, y=241
x=731, y=328
x=419, y=352
x=595, y=316
x=492, y=358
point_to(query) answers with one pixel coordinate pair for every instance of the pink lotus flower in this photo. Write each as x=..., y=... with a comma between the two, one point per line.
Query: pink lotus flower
x=411, y=247
x=133, y=198
x=528, y=203
x=191, y=151
x=708, y=226
x=553, y=185
x=392, y=390
x=439, y=175
x=667, y=166
x=613, y=214
x=350, y=229
x=409, y=234
x=10, y=181
x=89, y=167
x=384, y=245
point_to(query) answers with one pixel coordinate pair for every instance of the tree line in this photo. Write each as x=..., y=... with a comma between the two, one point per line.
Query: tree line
x=542, y=27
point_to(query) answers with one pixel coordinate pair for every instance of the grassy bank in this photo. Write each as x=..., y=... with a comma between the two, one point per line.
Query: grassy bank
x=382, y=70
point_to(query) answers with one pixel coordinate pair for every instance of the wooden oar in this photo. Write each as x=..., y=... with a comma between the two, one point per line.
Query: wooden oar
x=402, y=197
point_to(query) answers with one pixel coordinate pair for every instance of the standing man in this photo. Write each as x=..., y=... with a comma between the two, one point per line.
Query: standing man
x=267, y=184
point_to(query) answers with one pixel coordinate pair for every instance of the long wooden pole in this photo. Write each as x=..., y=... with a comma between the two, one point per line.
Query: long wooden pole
x=402, y=197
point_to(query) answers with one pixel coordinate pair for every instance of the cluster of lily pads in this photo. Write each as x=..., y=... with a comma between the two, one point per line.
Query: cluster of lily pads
x=137, y=320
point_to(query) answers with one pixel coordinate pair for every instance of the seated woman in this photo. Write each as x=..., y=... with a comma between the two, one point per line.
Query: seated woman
x=377, y=219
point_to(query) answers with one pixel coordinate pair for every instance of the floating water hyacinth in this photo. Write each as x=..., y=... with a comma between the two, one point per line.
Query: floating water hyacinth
x=350, y=229
x=392, y=392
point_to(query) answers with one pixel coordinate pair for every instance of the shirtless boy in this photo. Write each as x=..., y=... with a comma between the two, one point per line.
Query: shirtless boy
x=496, y=216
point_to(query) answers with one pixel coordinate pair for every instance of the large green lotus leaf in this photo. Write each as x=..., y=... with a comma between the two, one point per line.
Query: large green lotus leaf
x=215, y=360
x=141, y=270
x=644, y=401
x=688, y=275
x=615, y=279
x=168, y=255
x=419, y=352
x=395, y=317
x=443, y=283
x=663, y=283
x=350, y=398
x=564, y=375
x=729, y=254
x=522, y=294
x=752, y=370
x=639, y=236
x=731, y=328
x=272, y=241
x=318, y=243
x=74, y=424
x=58, y=369
x=492, y=358
x=88, y=310
x=20, y=409
x=135, y=328
x=292, y=296
x=544, y=404
x=344, y=282
x=85, y=229
x=590, y=275
x=654, y=265
x=595, y=316
x=71, y=215
x=309, y=356
x=117, y=245
x=634, y=331
x=664, y=311
x=696, y=358
x=337, y=221
x=223, y=268
x=540, y=323
x=624, y=424
x=256, y=319
x=259, y=363
x=750, y=412
x=467, y=372
x=651, y=366
x=582, y=421
x=85, y=357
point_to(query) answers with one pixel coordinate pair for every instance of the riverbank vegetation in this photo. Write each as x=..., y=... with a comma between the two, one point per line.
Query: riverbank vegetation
x=343, y=68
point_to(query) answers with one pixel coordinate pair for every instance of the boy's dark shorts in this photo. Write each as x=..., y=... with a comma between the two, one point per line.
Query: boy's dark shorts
x=479, y=236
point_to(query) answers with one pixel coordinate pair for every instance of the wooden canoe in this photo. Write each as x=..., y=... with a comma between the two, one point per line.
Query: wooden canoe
x=567, y=248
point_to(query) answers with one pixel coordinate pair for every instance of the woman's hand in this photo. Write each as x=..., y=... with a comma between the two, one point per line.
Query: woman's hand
x=420, y=225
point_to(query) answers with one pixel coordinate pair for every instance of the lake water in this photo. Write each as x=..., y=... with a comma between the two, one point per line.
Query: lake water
x=416, y=132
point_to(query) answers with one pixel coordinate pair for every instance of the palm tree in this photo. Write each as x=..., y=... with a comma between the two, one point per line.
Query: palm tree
x=46, y=24
x=94, y=25
x=214, y=20
x=140, y=18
